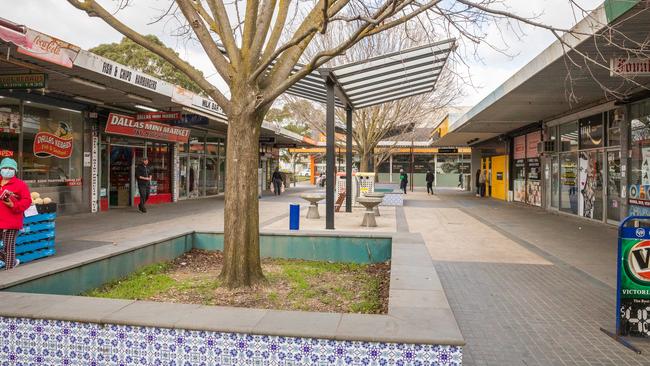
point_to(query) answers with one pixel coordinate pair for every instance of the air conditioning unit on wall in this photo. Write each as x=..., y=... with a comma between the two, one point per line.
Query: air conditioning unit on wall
x=545, y=147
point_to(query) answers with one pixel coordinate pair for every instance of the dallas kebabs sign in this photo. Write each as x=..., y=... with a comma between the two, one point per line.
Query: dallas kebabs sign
x=58, y=144
x=120, y=124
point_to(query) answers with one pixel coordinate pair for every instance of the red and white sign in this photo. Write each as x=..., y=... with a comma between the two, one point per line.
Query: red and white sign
x=630, y=66
x=158, y=116
x=532, y=139
x=12, y=36
x=47, y=144
x=50, y=49
x=120, y=124
x=6, y=153
x=520, y=147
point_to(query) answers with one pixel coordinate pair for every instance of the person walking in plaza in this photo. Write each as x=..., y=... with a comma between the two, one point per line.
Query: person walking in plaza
x=15, y=198
x=276, y=178
x=143, y=176
x=481, y=181
x=430, y=178
x=460, y=181
x=478, y=183
x=403, y=180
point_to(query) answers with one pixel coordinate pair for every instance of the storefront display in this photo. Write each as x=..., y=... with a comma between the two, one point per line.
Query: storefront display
x=527, y=173
x=568, y=184
x=639, y=178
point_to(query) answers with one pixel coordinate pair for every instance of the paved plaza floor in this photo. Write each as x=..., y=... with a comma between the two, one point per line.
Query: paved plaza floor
x=527, y=287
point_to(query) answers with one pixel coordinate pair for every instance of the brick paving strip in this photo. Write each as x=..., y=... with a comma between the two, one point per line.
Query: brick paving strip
x=527, y=308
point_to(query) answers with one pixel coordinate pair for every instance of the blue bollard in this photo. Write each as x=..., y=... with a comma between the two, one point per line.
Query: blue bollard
x=294, y=216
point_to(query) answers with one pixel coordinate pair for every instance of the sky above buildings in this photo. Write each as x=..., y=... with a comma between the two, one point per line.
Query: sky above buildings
x=483, y=67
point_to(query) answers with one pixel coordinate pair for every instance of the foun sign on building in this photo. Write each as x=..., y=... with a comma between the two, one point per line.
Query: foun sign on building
x=626, y=66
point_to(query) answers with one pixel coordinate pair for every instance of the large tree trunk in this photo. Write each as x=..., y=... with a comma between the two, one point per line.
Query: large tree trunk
x=241, y=214
x=363, y=163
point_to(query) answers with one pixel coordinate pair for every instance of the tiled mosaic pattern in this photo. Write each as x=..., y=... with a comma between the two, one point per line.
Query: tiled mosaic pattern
x=393, y=199
x=53, y=342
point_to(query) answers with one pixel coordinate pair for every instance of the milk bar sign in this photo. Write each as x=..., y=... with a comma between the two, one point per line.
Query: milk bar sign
x=120, y=124
x=23, y=81
x=630, y=66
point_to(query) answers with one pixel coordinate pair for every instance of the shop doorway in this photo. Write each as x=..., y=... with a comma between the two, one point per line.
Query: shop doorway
x=191, y=176
x=613, y=205
x=121, y=174
x=498, y=179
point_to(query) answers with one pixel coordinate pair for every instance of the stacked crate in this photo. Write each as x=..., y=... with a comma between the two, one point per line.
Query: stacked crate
x=36, y=239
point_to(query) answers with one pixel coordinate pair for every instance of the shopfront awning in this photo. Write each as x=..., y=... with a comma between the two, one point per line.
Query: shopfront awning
x=551, y=86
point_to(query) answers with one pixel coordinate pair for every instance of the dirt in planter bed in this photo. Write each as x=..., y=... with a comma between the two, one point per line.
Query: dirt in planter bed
x=291, y=285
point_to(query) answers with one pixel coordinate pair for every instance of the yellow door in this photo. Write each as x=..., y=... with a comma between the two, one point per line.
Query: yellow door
x=499, y=179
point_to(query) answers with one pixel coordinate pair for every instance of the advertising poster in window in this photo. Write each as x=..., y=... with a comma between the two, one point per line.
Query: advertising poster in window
x=591, y=185
x=520, y=148
x=520, y=181
x=645, y=166
x=533, y=183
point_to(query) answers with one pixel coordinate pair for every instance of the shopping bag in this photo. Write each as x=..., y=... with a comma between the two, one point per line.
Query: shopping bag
x=282, y=188
x=272, y=187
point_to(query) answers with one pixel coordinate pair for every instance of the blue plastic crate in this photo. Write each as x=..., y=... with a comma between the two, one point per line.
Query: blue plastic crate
x=31, y=247
x=40, y=226
x=39, y=218
x=32, y=237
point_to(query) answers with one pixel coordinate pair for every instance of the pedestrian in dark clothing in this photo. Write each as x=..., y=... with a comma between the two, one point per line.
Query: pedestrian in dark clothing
x=15, y=199
x=403, y=180
x=143, y=176
x=430, y=178
x=276, y=178
x=460, y=180
x=482, y=179
x=477, y=183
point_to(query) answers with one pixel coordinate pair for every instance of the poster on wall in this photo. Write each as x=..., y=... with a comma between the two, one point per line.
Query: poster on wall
x=58, y=144
x=520, y=147
x=9, y=121
x=519, y=190
x=590, y=186
x=534, y=192
x=645, y=166
x=532, y=139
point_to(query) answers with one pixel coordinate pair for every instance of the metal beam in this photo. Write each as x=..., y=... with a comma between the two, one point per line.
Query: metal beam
x=348, y=160
x=330, y=155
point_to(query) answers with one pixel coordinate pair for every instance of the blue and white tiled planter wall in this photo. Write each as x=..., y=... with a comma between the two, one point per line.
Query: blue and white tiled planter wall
x=55, y=342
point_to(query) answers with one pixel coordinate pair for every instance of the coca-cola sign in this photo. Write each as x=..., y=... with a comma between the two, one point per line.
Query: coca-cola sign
x=44, y=47
x=630, y=66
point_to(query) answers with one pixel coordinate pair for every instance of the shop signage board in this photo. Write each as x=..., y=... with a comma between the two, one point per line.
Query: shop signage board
x=112, y=69
x=447, y=151
x=630, y=66
x=158, y=116
x=41, y=46
x=124, y=125
x=58, y=144
x=633, y=278
x=532, y=139
x=190, y=99
x=23, y=81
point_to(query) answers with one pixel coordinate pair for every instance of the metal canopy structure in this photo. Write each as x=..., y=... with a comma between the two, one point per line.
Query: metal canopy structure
x=380, y=79
x=363, y=84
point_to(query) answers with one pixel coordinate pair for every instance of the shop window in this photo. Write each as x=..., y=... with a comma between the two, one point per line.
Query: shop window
x=555, y=181
x=569, y=137
x=159, y=155
x=614, y=119
x=52, y=145
x=639, y=176
x=9, y=127
x=568, y=183
x=591, y=132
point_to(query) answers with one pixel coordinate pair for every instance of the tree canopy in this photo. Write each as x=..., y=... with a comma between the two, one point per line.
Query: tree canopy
x=132, y=54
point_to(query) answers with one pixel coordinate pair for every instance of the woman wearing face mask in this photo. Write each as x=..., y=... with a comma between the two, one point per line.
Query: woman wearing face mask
x=14, y=200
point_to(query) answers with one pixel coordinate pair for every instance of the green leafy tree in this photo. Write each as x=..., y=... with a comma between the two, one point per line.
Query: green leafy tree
x=132, y=54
